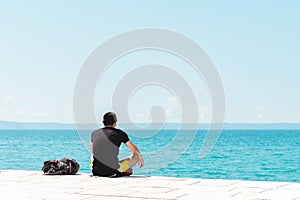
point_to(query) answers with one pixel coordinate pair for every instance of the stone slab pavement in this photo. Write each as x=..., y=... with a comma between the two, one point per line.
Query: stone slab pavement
x=34, y=185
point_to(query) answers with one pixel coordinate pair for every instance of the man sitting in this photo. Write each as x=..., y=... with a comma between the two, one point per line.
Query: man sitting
x=105, y=143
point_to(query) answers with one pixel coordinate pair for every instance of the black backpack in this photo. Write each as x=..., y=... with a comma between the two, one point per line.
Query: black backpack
x=65, y=166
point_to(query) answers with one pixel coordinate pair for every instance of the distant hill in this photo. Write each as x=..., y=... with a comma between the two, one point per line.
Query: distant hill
x=226, y=126
x=35, y=126
x=8, y=125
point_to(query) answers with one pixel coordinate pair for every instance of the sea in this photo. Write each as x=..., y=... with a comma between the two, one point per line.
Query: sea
x=258, y=155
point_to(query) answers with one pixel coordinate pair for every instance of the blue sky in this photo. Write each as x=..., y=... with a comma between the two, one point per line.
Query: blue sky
x=254, y=44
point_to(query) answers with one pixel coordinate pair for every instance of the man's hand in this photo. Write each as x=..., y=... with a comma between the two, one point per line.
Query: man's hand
x=141, y=162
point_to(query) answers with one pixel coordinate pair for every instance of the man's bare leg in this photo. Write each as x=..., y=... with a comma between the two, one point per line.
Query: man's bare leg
x=127, y=164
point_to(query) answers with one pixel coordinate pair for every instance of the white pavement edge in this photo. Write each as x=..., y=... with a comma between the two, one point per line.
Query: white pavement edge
x=35, y=185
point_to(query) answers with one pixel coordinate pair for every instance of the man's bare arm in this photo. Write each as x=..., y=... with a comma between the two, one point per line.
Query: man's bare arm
x=91, y=147
x=135, y=150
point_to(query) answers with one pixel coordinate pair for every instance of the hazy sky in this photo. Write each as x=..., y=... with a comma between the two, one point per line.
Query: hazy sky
x=254, y=44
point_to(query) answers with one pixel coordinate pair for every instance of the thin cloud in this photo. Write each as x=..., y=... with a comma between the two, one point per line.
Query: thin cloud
x=205, y=113
x=172, y=109
x=38, y=114
x=9, y=99
x=68, y=115
x=141, y=117
x=25, y=115
x=266, y=114
x=21, y=112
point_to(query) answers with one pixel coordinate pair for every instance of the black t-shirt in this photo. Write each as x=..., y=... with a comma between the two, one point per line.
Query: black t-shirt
x=106, y=142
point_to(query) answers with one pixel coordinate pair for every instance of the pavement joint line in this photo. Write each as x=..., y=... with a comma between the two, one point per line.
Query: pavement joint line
x=195, y=183
x=283, y=185
x=233, y=184
x=126, y=195
x=232, y=189
x=171, y=190
x=181, y=196
x=80, y=192
x=266, y=190
x=235, y=194
x=261, y=199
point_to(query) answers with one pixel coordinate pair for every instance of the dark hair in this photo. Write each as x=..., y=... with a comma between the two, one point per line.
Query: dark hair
x=109, y=118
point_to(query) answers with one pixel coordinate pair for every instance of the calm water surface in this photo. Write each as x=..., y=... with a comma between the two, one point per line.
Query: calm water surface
x=269, y=155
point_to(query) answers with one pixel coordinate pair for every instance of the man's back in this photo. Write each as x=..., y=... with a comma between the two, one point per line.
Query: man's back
x=106, y=142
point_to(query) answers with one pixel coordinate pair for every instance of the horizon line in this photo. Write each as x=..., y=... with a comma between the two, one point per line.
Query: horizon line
x=72, y=123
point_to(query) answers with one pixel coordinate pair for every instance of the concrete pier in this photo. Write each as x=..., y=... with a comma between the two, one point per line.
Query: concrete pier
x=34, y=185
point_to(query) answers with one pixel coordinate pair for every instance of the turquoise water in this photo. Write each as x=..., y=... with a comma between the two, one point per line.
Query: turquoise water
x=268, y=155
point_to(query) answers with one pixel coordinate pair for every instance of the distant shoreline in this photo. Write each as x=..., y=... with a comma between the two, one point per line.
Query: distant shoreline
x=10, y=125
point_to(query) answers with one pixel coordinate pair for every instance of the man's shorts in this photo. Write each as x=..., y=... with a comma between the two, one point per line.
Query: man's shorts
x=128, y=162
